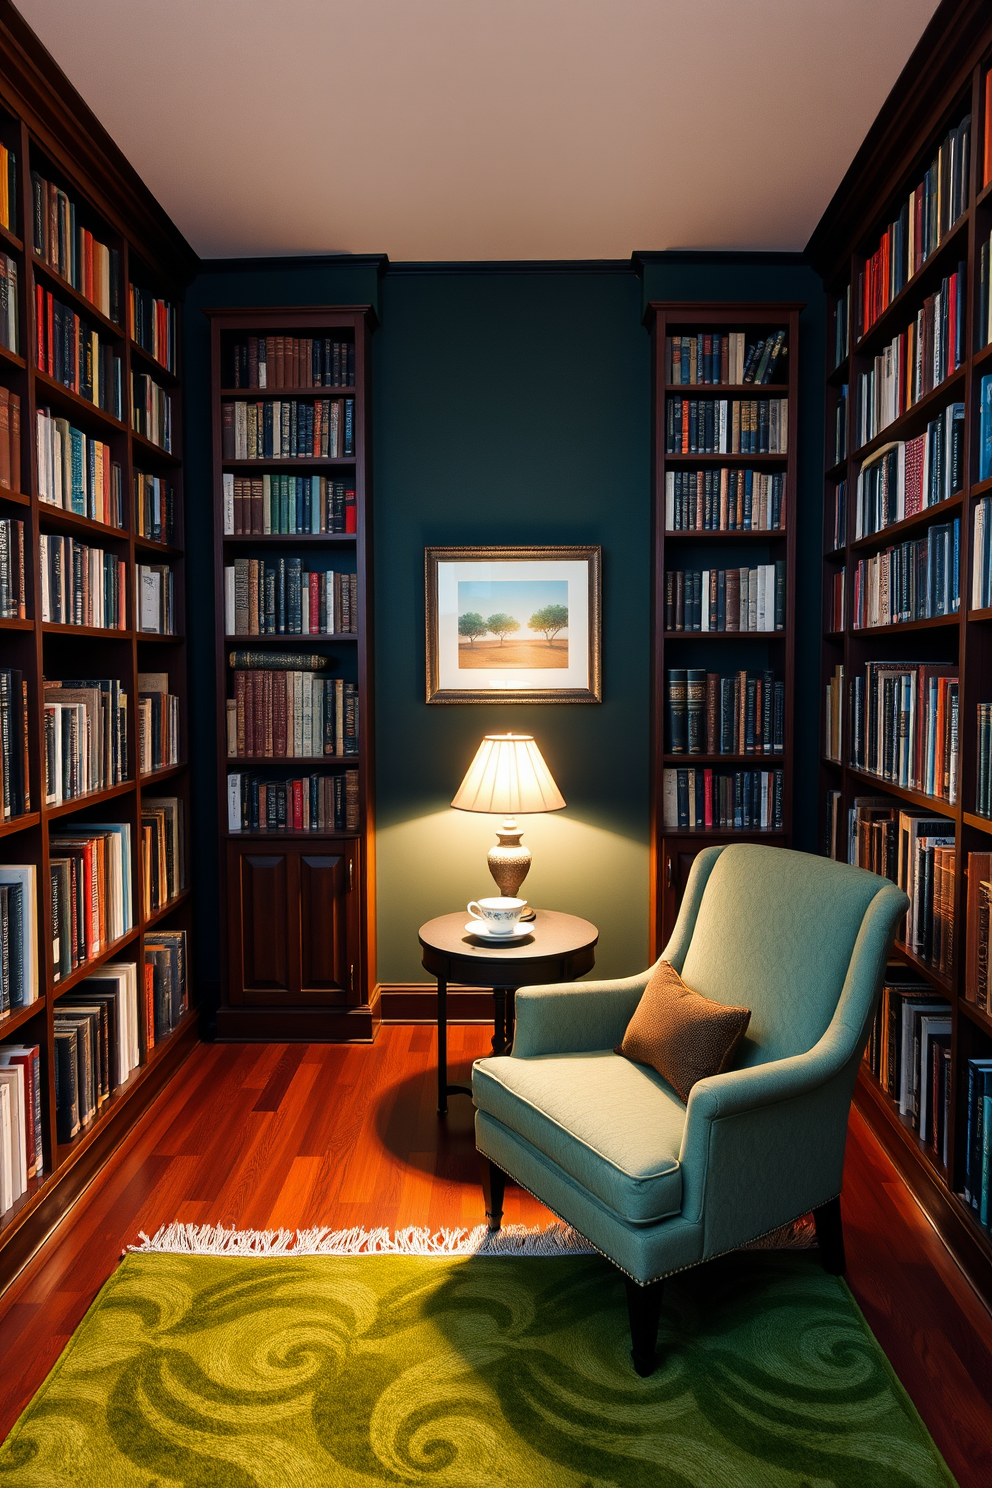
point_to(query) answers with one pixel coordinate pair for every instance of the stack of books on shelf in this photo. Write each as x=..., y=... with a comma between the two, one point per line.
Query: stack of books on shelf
x=22, y=1147
x=917, y=852
x=285, y=505
x=915, y=580
x=72, y=252
x=151, y=411
x=91, y=876
x=97, y=1044
x=158, y=723
x=76, y=355
x=293, y=362
x=841, y=334
x=909, y=1053
x=723, y=500
x=910, y=475
x=282, y=597
x=9, y=295
x=727, y=426
x=724, y=357
x=732, y=599
x=983, y=790
x=707, y=713
x=155, y=597
x=284, y=708
x=18, y=936
x=308, y=803
x=288, y=429
x=8, y=189
x=152, y=324
x=916, y=361
x=978, y=1138
x=10, y=440
x=746, y=800
x=837, y=524
x=979, y=905
x=14, y=772
x=904, y=725
x=927, y=216
x=81, y=585
x=166, y=989
x=76, y=472
x=163, y=852
x=154, y=507
x=836, y=593
x=85, y=737
x=13, y=570
x=834, y=716
x=981, y=554
x=840, y=425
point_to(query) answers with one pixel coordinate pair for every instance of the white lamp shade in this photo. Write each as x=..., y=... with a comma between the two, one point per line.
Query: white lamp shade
x=508, y=775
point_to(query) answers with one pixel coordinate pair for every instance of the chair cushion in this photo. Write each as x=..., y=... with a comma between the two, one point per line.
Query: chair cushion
x=683, y=1036
x=614, y=1127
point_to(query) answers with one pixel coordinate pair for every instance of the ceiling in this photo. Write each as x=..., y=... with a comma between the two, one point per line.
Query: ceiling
x=485, y=129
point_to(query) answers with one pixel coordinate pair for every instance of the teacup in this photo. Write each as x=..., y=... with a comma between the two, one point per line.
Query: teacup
x=500, y=916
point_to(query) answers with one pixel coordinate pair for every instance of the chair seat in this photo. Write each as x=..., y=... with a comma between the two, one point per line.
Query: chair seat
x=612, y=1126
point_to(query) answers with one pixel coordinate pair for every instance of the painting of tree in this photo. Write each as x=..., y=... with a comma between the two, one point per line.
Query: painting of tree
x=472, y=626
x=502, y=625
x=549, y=621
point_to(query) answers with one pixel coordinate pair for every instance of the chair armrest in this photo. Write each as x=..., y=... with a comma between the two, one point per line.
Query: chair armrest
x=575, y=1017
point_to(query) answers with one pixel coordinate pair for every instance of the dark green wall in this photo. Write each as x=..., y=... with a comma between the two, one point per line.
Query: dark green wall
x=510, y=405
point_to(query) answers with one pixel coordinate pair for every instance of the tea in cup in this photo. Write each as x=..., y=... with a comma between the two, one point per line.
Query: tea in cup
x=500, y=916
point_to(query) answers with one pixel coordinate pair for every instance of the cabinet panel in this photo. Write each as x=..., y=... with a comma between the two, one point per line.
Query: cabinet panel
x=328, y=926
x=264, y=914
x=676, y=859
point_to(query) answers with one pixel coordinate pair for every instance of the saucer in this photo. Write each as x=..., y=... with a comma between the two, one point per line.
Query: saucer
x=478, y=929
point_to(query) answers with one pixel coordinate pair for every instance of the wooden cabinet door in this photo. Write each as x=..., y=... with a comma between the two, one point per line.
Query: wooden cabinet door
x=677, y=857
x=294, y=934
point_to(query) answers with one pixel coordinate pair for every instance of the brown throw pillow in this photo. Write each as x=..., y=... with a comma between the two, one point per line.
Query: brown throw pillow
x=681, y=1034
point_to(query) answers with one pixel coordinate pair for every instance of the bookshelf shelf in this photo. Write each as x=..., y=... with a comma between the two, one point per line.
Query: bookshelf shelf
x=895, y=530
x=52, y=391
x=19, y=823
x=176, y=902
x=17, y=1017
x=90, y=798
x=152, y=365
x=935, y=804
x=838, y=470
x=938, y=979
x=906, y=627
x=979, y=823
x=17, y=624
x=97, y=632
x=11, y=240
x=148, y=451
x=674, y=848
x=153, y=777
x=888, y=323
x=325, y=932
x=971, y=1011
x=980, y=616
x=87, y=529
x=79, y=973
x=910, y=421
x=10, y=358
x=62, y=290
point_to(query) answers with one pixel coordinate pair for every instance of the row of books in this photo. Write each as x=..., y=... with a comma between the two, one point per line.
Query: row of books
x=723, y=500
x=842, y=320
x=978, y=1138
x=723, y=357
x=307, y=803
x=14, y=773
x=723, y=426
x=281, y=597
x=985, y=428
x=696, y=798
x=10, y=440
x=926, y=218
x=910, y=475
x=914, y=580
x=81, y=585
x=983, y=788
x=904, y=725
x=91, y=870
x=293, y=362
x=725, y=599
x=836, y=535
x=9, y=296
x=8, y=189
x=152, y=323
x=978, y=911
x=75, y=354
x=981, y=554
x=13, y=570
x=156, y=599
x=76, y=472
x=18, y=936
x=85, y=737
x=915, y=362
x=706, y=713
x=833, y=719
x=287, y=504
x=154, y=507
x=984, y=333
x=151, y=411
x=22, y=1151
x=835, y=589
x=290, y=429
x=909, y=1053
x=917, y=852
x=840, y=424
x=71, y=250
x=158, y=723
x=279, y=713
x=163, y=852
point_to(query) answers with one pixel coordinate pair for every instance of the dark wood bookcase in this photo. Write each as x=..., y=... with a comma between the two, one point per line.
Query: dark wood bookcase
x=723, y=652
x=50, y=129
x=299, y=939
x=943, y=82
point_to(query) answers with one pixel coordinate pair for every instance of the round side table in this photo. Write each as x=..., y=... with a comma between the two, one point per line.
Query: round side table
x=559, y=948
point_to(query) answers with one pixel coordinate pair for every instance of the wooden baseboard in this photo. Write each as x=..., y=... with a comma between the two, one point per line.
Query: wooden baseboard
x=416, y=1002
x=307, y=1025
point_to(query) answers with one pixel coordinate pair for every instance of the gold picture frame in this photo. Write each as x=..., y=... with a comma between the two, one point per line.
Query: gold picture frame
x=484, y=647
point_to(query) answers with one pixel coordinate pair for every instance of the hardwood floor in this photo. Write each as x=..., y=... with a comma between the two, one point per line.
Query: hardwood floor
x=263, y=1136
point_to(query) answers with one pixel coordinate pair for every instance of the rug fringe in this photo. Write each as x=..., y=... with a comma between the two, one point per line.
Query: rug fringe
x=218, y=1240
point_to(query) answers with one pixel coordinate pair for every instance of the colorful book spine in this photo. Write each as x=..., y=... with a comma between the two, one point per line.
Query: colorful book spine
x=307, y=803
x=292, y=362
x=74, y=353
x=152, y=325
x=733, y=599
x=710, y=713
x=909, y=476
x=700, y=799
x=725, y=500
x=151, y=411
x=281, y=596
x=283, y=505
x=13, y=570
x=80, y=585
x=915, y=580
x=916, y=361
x=282, y=714
x=288, y=429
x=719, y=357
x=77, y=473
x=71, y=251
x=904, y=725
x=726, y=426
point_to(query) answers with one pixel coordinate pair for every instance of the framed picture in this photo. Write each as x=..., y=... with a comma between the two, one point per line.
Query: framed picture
x=513, y=625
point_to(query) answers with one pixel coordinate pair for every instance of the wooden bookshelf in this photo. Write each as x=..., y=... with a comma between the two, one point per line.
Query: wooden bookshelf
x=953, y=58
x=298, y=946
x=725, y=652
x=53, y=132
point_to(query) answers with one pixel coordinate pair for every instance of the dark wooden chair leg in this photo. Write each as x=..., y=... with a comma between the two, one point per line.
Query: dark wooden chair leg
x=493, y=1184
x=644, y=1312
x=830, y=1237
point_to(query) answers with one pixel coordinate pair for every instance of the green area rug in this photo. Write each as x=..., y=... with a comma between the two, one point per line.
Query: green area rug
x=301, y=1371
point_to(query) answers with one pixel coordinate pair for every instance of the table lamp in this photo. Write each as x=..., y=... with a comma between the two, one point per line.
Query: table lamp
x=508, y=775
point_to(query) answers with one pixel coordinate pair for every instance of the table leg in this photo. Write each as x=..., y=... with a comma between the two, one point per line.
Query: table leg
x=503, y=1019
x=442, y=1047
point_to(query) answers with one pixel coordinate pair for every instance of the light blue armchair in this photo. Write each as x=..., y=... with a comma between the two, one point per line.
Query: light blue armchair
x=607, y=1145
